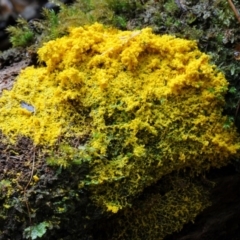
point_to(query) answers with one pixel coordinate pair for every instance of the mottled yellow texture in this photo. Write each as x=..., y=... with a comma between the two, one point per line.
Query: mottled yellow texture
x=150, y=105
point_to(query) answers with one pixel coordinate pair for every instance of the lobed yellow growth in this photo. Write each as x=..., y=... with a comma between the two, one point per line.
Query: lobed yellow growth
x=150, y=104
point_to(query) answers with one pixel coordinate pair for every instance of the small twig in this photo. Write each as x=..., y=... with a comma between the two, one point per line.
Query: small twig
x=234, y=10
x=32, y=170
x=25, y=189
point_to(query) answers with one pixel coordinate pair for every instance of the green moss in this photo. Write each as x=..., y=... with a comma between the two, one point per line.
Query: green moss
x=55, y=25
x=21, y=35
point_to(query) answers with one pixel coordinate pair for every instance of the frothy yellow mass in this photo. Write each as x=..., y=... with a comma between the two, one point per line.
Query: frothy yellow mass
x=149, y=104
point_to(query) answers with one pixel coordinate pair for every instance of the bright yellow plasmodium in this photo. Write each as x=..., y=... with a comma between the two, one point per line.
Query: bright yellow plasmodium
x=149, y=105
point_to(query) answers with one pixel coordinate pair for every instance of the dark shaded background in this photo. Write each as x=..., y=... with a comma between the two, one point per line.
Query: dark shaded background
x=10, y=10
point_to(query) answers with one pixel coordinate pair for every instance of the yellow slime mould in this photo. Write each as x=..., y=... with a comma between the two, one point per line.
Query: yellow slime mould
x=149, y=104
